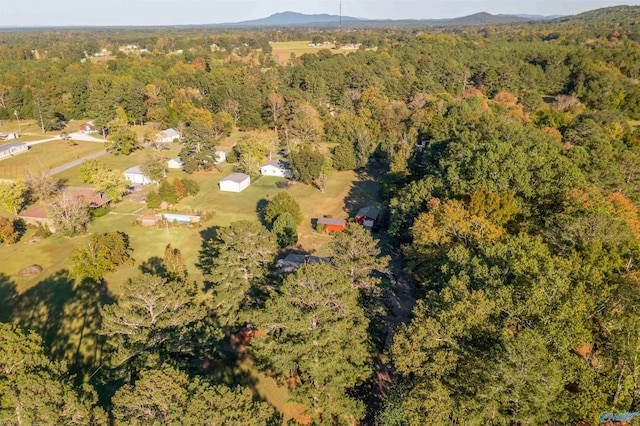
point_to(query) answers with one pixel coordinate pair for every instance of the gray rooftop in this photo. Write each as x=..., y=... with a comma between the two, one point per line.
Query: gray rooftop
x=237, y=177
x=277, y=163
x=330, y=221
x=171, y=133
x=11, y=145
x=370, y=212
x=135, y=170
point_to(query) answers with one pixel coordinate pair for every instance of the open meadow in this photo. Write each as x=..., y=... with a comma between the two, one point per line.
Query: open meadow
x=44, y=156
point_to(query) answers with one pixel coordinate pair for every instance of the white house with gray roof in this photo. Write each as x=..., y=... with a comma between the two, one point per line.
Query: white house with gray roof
x=11, y=149
x=136, y=176
x=168, y=135
x=235, y=182
x=276, y=168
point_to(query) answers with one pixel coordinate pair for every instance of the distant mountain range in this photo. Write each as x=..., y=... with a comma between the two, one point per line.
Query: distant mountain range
x=290, y=19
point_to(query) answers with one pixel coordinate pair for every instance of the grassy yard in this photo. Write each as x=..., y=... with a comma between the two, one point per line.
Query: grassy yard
x=45, y=156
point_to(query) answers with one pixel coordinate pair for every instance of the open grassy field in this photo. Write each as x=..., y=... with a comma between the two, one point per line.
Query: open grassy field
x=282, y=50
x=45, y=156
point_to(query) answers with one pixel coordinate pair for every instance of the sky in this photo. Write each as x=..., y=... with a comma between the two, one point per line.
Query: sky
x=30, y=13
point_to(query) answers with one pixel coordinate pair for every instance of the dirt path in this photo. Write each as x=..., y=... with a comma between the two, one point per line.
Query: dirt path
x=74, y=163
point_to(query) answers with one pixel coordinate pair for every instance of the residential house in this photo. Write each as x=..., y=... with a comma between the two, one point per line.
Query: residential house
x=37, y=215
x=367, y=216
x=7, y=136
x=330, y=225
x=93, y=199
x=11, y=149
x=235, y=182
x=276, y=168
x=168, y=135
x=134, y=175
x=294, y=260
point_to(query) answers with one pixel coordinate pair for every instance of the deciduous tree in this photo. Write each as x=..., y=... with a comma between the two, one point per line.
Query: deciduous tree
x=13, y=195
x=70, y=214
x=100, y=255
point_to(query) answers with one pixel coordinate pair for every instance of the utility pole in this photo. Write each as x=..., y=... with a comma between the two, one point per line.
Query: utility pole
x=17, y=118
x=340, y=26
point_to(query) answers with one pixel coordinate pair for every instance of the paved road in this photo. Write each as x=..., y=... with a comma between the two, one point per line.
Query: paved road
x=76, y=136
x=74, y=163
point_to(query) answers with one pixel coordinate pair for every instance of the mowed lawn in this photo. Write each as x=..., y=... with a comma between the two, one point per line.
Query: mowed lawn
x=45, y=156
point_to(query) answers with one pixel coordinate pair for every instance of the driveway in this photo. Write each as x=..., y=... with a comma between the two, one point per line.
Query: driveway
x=76, y=136
x=74, y=163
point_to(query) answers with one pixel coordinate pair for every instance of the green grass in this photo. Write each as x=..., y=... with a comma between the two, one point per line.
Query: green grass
x=45, y=156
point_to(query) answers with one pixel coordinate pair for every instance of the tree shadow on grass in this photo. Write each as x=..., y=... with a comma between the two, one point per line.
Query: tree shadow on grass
x=8, y=295
x=261, y=210
x=66, y=314
x=364, y=192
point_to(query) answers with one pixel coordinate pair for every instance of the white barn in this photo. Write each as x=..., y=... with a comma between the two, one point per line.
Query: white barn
x=11, y=149
x=168, y=135
x=235, y=182
x=134, y=175
x=276, y=168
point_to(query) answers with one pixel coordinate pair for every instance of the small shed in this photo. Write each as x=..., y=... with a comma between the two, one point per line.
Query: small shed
x=148, y=220
x=134, y=175
x=11, y=149
x=367, y=216
x=235, y=182
x=331, y=225
x=175, y=163
x=167, y=135
x=276, y=168
x=88, y=127
x=294, y=260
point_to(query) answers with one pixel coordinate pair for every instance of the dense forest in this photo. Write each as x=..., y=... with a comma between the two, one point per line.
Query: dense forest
x=510, y=160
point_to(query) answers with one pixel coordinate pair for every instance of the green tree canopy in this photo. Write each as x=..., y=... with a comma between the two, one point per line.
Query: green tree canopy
x=236, y=261
x=283, y=202
x=316, y=336
x=101, y=254
x=170, y=397
x=36, y=390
